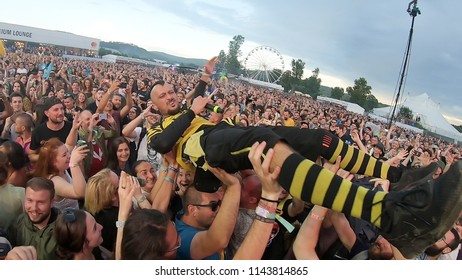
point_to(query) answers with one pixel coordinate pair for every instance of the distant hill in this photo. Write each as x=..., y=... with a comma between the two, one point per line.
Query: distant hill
x=137, y=52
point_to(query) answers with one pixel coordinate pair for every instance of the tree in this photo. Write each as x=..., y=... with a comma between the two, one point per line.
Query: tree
x=285, y=80
x=232, y=59
x=220, y=67
x=298, y=67
x=371, y=102
x=359, y=91
x=337, y=93
x=406, y=113
x=311, y=86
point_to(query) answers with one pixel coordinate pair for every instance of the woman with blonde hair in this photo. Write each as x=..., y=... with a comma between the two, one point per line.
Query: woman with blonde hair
x=54, y=160
x=102, y=201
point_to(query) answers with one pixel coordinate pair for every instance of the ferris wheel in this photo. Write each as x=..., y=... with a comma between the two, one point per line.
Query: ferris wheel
x=265, y=64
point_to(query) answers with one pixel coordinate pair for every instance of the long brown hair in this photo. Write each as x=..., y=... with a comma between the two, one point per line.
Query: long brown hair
x=46, y=163
x=70, y=232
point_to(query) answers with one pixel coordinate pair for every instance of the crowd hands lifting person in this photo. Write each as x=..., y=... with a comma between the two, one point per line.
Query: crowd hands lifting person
x=92, y=166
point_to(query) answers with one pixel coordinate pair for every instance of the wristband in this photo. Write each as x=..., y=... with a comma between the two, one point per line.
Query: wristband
x=267, y=207
x=265, y=220
x=142, y=115
x=162, y=168
x=170, y=180
x=269, y=200
x=264, y=213
x=120, y=224
x=141, y=200
x=171, y=168
x=72, y=165
x=203, y=71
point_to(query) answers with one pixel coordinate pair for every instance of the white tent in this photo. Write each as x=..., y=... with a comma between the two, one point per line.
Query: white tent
x=429, y=113
x=351, y=107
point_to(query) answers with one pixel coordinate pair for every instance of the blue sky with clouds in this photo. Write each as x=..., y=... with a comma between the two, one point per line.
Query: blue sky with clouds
x=344, y=39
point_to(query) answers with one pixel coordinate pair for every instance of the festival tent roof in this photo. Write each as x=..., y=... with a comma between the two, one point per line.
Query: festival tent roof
x=429, y=112
x=351, y=107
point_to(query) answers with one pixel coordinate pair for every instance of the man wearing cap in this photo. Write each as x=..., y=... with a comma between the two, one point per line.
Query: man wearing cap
x=55, y=126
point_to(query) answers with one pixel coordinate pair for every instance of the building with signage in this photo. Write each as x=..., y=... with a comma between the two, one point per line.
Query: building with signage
x=65, y=42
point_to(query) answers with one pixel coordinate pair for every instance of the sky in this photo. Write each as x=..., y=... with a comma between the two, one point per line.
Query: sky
x=346, y=40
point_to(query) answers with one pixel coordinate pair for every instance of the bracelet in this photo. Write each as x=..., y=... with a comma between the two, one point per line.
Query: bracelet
x=141, y=200
x=316, y=217
x=170, y=180
x=120, y=224
x=203, y=71
x=162, y=168
x=142, y=116
x=264, y=213
x=267, y=207
x=72, y=165
x=265, y=220
x=269, y=200
x=171, y=168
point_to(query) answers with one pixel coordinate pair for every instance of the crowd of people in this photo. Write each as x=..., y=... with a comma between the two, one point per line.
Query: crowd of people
x=123, y=161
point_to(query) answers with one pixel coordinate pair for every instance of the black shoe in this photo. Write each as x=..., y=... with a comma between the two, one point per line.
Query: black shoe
x=206, y=181
x=416, y=218
x=414, y=177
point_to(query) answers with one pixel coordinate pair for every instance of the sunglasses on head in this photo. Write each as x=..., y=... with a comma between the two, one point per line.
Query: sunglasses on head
x=69, y=216
x=212, y=205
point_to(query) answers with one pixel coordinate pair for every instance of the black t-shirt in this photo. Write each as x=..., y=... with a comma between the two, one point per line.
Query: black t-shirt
x=92, y=107
x=43, y=133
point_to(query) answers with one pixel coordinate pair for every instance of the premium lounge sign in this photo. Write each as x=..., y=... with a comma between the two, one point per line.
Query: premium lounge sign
x=16, y=33
x=37, y=35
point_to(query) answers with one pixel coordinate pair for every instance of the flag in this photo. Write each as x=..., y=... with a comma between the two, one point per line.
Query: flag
x=2, y=49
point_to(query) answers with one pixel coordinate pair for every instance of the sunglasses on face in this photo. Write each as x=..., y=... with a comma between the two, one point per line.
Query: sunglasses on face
x=212, y=205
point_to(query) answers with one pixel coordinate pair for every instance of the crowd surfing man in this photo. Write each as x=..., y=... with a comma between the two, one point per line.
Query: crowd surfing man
x=411, y=220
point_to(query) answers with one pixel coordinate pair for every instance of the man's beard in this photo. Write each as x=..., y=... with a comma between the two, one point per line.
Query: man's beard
x=42, y=218
x=174, y=111
x=433, y=250
x=55, y=121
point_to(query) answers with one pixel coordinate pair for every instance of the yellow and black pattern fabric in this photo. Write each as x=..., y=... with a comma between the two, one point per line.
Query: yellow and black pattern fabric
x=307, y=181
x=175, y=131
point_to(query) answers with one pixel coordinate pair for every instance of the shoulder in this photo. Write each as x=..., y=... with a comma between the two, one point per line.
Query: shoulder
x=67, y=125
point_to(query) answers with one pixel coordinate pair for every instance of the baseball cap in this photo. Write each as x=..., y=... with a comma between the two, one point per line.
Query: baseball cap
x=50, y=102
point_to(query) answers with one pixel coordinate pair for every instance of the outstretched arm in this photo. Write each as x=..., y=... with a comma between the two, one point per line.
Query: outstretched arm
x=216, y=238
x=256, y=240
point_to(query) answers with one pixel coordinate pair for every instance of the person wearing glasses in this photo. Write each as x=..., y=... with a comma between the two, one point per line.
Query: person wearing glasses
x=445, y=245
x=34, y=227
x=207, y=221
x=77, y=235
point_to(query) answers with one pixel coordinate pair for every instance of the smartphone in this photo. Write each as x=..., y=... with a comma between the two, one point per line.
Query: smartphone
x=81, y=143
x=102, y=116
x=123, y=85
x=417, y=153
x=141, y=181
x=409, y=148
